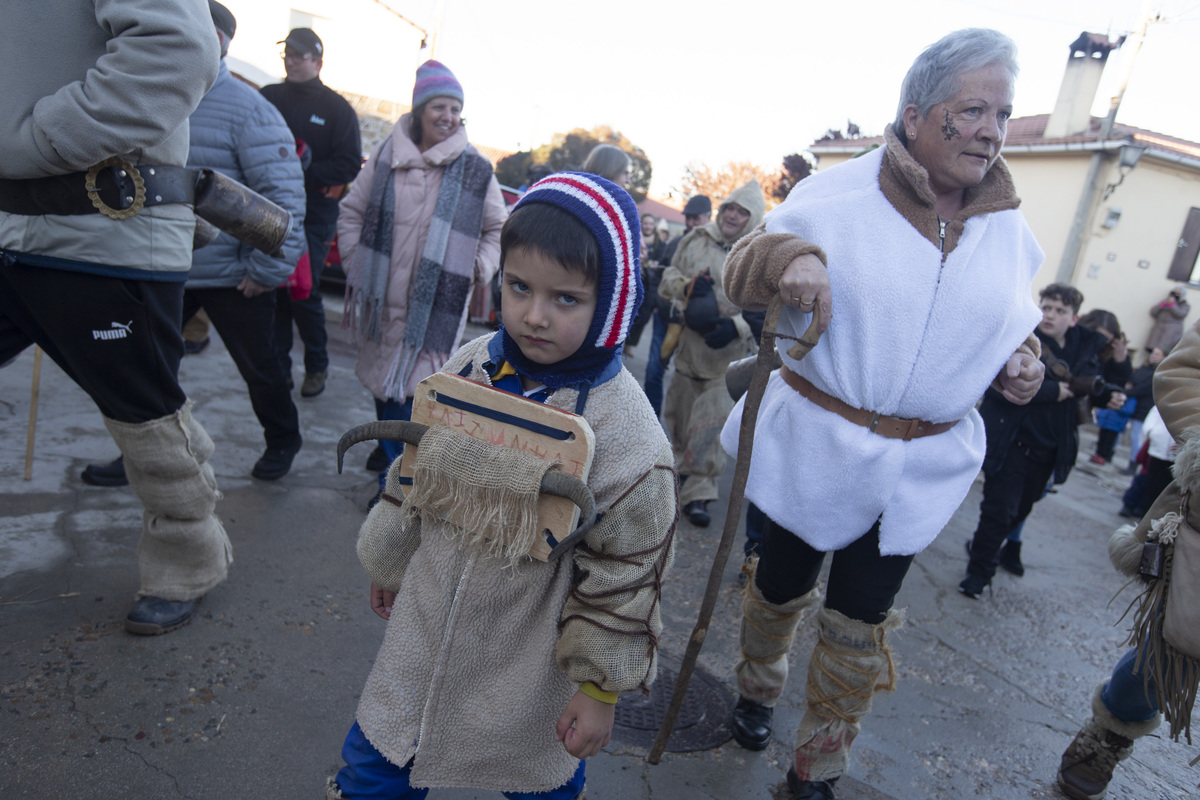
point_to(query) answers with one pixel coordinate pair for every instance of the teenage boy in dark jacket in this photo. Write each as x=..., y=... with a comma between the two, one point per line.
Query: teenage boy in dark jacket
x=1027, y=445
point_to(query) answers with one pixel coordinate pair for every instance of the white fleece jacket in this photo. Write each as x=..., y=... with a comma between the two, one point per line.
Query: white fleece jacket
x=910, y=337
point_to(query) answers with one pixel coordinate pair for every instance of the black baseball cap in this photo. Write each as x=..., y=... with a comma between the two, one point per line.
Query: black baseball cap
x=223, y=18
x=305, y=40
x=697, y=205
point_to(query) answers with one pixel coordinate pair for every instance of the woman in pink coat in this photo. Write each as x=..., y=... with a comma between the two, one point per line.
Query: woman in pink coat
x=418, y=231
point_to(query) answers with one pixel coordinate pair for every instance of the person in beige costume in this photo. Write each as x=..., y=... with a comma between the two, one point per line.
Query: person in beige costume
x=1134, y=700
x=697, y=401
x=482, y=652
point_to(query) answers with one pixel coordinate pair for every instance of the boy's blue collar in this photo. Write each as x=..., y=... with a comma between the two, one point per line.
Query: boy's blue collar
x=495, y=351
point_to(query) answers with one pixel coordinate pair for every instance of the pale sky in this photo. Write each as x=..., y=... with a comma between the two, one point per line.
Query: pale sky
x=757, y=79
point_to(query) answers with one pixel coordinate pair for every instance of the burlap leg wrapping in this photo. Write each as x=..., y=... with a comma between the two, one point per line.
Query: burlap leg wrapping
x=183, y=551
x=766, y=636
x=843, y=676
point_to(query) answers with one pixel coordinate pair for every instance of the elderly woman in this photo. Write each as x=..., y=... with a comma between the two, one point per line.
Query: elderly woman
x=407, y=292
x=916, y=257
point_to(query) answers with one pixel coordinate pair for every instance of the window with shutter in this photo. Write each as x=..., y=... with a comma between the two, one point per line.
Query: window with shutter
x=1183, y=265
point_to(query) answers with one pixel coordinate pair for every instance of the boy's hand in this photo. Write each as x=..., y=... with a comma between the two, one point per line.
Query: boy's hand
x=1064, y=391
x=1117, y=401
x=586, y=726
x=382, y=601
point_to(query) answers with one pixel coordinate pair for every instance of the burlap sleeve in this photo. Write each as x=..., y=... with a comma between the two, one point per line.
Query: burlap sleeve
x=757, y=262
x=612, y=619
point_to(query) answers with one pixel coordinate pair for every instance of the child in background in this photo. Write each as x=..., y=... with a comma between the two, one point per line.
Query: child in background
x=502, y=677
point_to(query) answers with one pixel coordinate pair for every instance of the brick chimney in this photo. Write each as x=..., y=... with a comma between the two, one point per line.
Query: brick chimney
x=1073, y=110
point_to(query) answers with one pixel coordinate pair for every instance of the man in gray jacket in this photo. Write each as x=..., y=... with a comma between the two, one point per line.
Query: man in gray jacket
x=95, y=244
x=236, y=131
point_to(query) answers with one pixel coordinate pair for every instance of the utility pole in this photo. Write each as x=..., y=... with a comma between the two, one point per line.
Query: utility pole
x=1087, y=198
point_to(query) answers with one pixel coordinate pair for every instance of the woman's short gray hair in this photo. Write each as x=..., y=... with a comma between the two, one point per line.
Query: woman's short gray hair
x=935, y=76
x=607, y=161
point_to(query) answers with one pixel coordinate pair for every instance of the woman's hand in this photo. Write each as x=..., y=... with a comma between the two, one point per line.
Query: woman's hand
x=586, y=725
x=805, y=285
x=1117, y=401
x=1021, y=378
x=382, y=601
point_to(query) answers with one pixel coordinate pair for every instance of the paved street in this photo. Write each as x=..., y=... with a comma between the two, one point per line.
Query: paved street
x=253, y=698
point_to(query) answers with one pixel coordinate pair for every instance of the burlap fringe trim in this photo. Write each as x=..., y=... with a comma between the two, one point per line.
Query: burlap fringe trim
x=1175, y=675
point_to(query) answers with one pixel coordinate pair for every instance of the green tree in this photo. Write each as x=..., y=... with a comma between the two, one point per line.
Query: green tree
x=568, y=151
x=796, y=167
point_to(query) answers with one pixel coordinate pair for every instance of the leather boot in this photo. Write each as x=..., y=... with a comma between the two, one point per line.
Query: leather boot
x=809, y=790
x=844, y=673
x=766, y=636
x=1103, y=742
x=110, y=474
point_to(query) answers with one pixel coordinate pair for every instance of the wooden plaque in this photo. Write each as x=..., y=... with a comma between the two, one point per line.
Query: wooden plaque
x=509, y=420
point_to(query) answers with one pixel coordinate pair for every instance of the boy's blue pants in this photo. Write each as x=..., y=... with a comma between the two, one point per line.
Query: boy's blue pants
x=369, y=776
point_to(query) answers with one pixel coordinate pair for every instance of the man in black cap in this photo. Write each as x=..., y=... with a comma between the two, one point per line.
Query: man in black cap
x=698, y=211
x=326, y=128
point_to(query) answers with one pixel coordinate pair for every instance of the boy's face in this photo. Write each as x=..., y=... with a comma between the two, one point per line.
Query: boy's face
x=547, y=308
x=1057, y=318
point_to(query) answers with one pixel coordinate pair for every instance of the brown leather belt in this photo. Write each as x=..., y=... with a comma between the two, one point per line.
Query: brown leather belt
x=882, y=424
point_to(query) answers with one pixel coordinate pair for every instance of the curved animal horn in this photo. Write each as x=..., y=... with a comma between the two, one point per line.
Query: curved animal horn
x=560, y=484
x=400, y=430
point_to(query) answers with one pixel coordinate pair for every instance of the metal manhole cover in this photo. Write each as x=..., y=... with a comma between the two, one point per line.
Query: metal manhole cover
x=703, y=718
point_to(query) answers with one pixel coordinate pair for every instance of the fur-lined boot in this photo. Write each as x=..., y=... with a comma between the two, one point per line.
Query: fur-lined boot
x=844, y=673
x=766, y=637
x=1103, y=742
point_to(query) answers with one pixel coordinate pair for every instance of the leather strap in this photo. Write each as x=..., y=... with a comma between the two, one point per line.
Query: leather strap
x=882, y=424
x=67, y=195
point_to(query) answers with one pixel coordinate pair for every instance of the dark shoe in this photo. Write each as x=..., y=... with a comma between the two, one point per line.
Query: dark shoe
x=377, y=461
x=374, y=501
x=1098, y=460
x=152, y=616
x=1128, y=512
x=1087, y=765
x=1010, y=558
x=275, y=462
x=1131, y=469
x=973, y=585
x=697, y=513
x=752, y=724
x=314, y=384
x=110, y=474
x=195, y=348
x=809, y=790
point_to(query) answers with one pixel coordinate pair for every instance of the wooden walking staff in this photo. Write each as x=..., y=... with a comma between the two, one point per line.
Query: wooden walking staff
x=33, y=404
x=733, y=512
x=758, y=384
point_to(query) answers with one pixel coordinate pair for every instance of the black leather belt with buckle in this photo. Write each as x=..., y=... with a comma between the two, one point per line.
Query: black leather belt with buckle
x=113, y=187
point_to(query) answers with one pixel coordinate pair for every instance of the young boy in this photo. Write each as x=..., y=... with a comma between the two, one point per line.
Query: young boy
x=502, y=678
x=1028, y=444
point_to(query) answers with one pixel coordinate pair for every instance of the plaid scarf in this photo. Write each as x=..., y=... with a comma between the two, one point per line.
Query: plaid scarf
x=441, y=287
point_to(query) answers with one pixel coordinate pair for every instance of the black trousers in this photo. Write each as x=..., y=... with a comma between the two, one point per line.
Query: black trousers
x=309, y=313
x=862, y=582
x=1008, y=496
x=247, y=326
x=117, y=338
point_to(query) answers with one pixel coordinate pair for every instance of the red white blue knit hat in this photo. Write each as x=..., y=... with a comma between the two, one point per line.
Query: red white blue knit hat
x=610, y=214
x=434, y=79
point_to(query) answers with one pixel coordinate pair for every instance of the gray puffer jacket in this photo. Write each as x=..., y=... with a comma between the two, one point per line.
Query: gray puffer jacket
x=236, y=131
